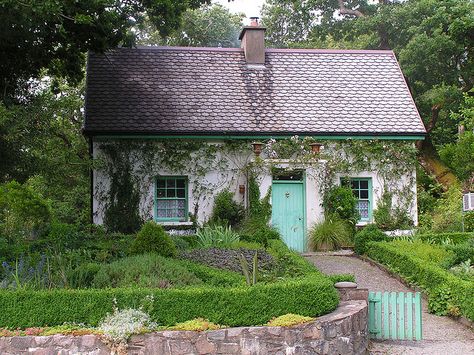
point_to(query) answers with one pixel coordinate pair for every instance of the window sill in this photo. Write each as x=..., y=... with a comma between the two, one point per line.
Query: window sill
x=176, y=223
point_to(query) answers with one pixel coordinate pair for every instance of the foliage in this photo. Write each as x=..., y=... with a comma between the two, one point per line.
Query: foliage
x=288, y=320
x=256, y=230
x=184, y=242
x=460, y=253
x=469, y=221
x=289, y=262
x=229, y=259
x=342, y=277
x=153, y=238
x=196, y=325
x=340, y=201
x=83, y=276
x=216, y=236
x=250, y=278
x=24, y=214
x=313, y=295
x=447, y=215
x=208, y=26
x=465, y=270
x=368, y=234
x=226, y=210
x=446, y=292
x=331, y=234
x=148, y=270
x=428, y=252
x=440, y=238
x=258, y=208
x=121, y=213
x=66, y=31
x=458, y=155
x=121, y=324
x=387, y=217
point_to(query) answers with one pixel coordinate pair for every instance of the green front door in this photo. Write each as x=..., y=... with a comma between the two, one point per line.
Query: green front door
x=288, y=212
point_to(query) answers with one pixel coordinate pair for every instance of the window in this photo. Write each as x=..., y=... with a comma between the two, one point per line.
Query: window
x=362, y=190
x=171, y=198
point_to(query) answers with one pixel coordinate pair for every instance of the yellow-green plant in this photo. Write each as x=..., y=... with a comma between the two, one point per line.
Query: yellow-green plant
x=288, y=320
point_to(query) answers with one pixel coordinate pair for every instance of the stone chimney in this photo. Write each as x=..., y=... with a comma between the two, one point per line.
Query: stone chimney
x=253, y=42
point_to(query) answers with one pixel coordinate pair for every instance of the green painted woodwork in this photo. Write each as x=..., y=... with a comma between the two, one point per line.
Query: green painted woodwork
x=391, y=315
x=224, y=137
x=363, y=191
x=288, y=212
x=168, y=189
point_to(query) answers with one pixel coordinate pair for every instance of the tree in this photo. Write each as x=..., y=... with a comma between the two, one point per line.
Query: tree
x=54, y=35
x=210, y=25
x=433, y=40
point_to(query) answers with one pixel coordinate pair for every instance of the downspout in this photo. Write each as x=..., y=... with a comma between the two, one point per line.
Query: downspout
x=91, y=178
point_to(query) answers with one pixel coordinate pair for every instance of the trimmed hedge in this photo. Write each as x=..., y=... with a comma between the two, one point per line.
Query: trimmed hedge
x=437, y=282
x=456, y=238
x=239, y=306
x=368, y=234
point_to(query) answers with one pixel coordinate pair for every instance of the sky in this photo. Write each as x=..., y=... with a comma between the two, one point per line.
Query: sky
x=248, y=7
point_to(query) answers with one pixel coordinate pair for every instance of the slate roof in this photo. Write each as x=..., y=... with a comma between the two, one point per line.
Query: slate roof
x=212, y=91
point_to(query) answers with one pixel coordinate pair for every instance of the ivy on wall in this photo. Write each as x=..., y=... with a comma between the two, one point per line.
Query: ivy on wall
x=140, y=161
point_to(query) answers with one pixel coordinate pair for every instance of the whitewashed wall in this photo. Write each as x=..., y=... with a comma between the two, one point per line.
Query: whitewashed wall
x=222, y=180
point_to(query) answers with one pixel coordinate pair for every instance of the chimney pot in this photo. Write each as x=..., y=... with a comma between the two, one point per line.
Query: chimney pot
x=254, y=21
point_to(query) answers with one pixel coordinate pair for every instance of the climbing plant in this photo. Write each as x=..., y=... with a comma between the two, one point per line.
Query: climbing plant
x=231, y=161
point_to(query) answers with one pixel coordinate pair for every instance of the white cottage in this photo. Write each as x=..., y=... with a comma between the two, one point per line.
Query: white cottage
x=190, y=120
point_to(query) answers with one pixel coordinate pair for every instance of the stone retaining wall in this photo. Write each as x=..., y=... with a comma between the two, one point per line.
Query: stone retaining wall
x=343, y=331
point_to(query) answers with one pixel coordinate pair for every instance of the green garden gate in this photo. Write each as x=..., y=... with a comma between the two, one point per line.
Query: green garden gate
x=395, y=315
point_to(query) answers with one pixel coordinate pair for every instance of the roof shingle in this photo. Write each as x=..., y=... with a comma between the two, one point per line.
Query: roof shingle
x=213, y=91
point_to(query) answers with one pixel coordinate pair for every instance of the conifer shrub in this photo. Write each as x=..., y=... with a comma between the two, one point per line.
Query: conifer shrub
x=152, y=238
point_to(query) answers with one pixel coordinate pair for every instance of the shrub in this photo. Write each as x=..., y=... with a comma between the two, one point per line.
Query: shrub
x=24, y=214
x=229, y=258
x=469, y=221
x=147, y=270
x=256, y=230
x=196, y=325
x=236, y=306
x=289, y=262
x=226, y=211
x=83, y=275
x=121, y=324
x=151, y=270
x=153, y=238
x=216, y=236
x=340, y=201
x=387, y=217
x=460, y=253
x=330, y=234
x=289, y=320
x=342, y=277
x=428, y=252
x=455, y=295
x=368, y=234
x=440, y=238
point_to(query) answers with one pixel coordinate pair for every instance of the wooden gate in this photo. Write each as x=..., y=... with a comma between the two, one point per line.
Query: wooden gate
x=395, y=315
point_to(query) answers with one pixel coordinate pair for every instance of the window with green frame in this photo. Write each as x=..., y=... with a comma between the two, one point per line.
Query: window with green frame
x=171, y=199
x=362, y=190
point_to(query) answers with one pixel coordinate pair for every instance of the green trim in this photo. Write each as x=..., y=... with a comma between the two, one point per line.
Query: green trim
x=288, y=181
x=305, y=234
x=223, y=137
x=185, y=198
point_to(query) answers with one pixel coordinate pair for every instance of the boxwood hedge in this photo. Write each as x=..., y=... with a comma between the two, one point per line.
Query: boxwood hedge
x=311, y=295
x=438, y=283
x=438, y=238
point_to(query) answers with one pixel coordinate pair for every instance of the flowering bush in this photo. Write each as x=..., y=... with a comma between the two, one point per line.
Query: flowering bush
x=121, y=324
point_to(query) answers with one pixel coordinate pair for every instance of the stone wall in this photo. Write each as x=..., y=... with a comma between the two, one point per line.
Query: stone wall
x=343, y=331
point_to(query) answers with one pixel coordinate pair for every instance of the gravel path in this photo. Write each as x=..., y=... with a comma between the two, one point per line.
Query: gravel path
x=441, y=335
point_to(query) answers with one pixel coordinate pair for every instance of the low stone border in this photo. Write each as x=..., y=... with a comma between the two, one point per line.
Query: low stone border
x=342, y=252
x=343, y=331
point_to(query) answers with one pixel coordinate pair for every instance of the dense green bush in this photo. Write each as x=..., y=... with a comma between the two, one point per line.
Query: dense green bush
x=152, y=270
x=446, y=292
x=153, y=238
x=226, y=211
x=83, y=276
x=330, y=234
x=340, y=201
x=388, y=217
x=469, y=221
x=460, y=253
x=368, y=234
x=239, y=306
x=289, y=262
x=24, y=214
x=147, y=270
x=428, y=252
x=184, y=242
x=446, y=238
x=255, y=230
